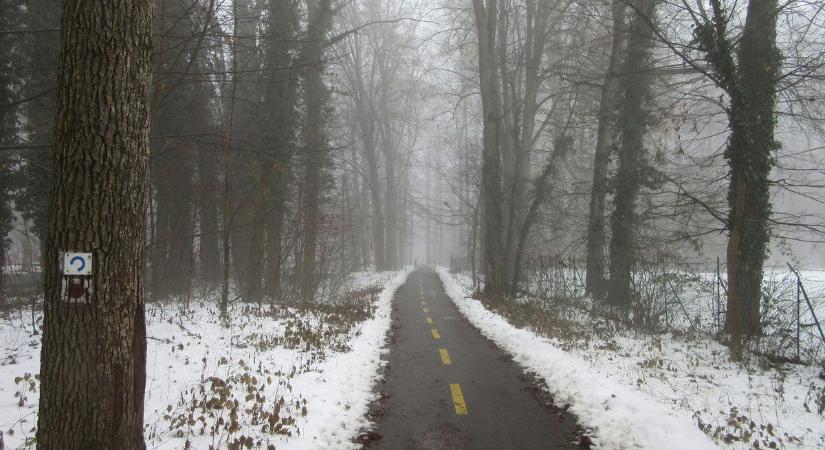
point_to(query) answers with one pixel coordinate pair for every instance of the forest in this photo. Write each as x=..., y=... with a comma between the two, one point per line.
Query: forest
x=263, y=176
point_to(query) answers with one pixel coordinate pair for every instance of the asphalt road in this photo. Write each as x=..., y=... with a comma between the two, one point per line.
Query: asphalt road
x=448, y=387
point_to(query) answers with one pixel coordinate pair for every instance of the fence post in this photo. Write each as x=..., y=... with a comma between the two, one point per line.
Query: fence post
x=798, y=318
x=718, y=297
x=808, y=302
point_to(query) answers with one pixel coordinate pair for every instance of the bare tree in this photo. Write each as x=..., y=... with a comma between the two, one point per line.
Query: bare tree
x=492, y=226
x=595, y=275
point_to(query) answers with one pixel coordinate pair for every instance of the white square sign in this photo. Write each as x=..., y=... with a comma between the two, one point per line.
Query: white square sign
x=77, y=263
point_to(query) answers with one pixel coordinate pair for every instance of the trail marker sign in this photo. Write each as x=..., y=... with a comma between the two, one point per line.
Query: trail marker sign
x=77, y=264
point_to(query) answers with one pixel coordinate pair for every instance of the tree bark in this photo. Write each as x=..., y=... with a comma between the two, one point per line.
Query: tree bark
x=314, y=157
x=491, y=207
x=523, y=119
x=749, y=154
x=390, y=162
x=543, y=187
x=751, y=81
x=634, y=121
x=253, y=278
x=94, y=354
x=275, y=239
x=209, y=218
x=595, y=276
x=391, y=210
x=365, y=117
x=279, y=44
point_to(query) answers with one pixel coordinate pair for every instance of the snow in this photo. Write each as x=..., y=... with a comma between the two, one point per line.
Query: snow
x=346, y=388
x=320, y=388
x=652, y=392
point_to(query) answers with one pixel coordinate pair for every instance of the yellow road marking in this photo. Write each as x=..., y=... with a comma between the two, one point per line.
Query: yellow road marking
x=435, y=334
x=445, y=357
x=430, y=320
x=423, y=303
x=425, y=310
x=458, y=400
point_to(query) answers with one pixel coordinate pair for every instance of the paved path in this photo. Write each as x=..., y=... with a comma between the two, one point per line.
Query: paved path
x=448, y=387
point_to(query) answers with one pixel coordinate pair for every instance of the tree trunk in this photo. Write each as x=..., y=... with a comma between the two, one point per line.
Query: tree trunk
x=542, y=190
x=391, y=210
x=275, y=238
x=9, y=130
x=536, y=23
x=595, y=276
x=181, y=232
x=378, y=241
x=314, y=157
x=634, y=121
x=208, y=210
x=749, y=153
x=279, y=44
x=253, y=278
x=366, y=117
x=226, y=212
x=94, y=354
x=176, y=160
x=391, y=197
x=491, y=207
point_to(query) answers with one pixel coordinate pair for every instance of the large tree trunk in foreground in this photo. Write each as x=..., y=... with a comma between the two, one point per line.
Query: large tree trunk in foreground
x=94, y=354
x=752, y=142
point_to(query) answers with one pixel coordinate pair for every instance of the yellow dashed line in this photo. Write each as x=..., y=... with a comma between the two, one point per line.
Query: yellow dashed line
x=425, y=310
x=458, y=400
x=423, y=303
x=430, y=320
x=445, y=357
x=435, y=334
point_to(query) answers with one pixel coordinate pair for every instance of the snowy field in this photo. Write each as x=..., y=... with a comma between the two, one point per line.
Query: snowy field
x=660, y=391
x=298, y=379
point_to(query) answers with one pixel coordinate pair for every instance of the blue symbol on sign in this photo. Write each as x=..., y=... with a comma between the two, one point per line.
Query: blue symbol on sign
x=80, y=260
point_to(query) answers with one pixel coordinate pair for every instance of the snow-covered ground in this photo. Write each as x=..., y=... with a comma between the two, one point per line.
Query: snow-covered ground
x=299, y=379
x=660, y=391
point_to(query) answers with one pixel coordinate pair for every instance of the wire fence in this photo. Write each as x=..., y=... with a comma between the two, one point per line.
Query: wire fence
x=673, y=296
